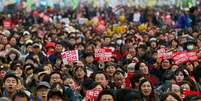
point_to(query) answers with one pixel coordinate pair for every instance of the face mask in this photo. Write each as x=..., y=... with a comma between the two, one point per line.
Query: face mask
x=190, y=47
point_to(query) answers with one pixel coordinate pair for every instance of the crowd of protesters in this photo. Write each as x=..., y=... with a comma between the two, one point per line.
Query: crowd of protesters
x=31, y=66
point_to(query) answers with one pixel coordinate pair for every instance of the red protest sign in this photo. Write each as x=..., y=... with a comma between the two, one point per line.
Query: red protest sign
x=103, y=54
x=161, y=52
x=167, y=55
x=70, y=56
x=92, y=94
x=180, y=57
x=7, y=24
x=193, y=55
x=164, y=53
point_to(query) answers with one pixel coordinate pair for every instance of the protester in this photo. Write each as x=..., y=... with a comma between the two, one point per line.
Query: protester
x=147, y=90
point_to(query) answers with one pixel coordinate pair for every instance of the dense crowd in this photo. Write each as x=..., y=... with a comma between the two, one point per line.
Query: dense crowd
x=32, y=67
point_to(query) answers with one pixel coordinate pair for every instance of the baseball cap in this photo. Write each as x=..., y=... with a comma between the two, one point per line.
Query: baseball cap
x=26, y=33
x=43, y=84
x=28, y=67
x=37, y=45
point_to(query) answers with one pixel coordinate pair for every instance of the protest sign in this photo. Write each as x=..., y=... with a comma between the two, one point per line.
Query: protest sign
x=180, y=57
x=193, y=55
x=92, y=94
x=7, y=24
x=70, y=56
x=103, y=54
x=164, y=53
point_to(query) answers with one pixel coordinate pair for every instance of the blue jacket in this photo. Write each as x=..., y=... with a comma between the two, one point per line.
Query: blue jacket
x=184, y=21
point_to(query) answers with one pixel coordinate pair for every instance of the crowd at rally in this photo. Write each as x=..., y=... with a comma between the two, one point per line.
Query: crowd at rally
x=155, y=54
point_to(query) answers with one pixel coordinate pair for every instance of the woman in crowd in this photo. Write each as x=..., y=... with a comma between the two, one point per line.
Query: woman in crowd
x=147, y=90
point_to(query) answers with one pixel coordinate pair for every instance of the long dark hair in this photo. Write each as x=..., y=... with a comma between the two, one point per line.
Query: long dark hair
x=182, y=71
x=152, y=96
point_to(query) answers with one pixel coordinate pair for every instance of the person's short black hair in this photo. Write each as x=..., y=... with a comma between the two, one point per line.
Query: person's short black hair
x=54, y=92
x=133, y=95
x=136, y=78
x=119, y=72
x=16, y=64
x=56, y=73
x=88, y=54
x=182, y=71
x=121, y=94
x=110, y=64
x=106, y=92
x=9, y=75
x=94, y=84
x=168, y=75
x=20, y=94
x=143, y=46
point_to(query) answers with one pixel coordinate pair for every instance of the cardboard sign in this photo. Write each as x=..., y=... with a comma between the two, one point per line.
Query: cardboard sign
x=193, y=55
x=92, y=94
x=103, y=54
x=180, y=57
x=70, y=56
